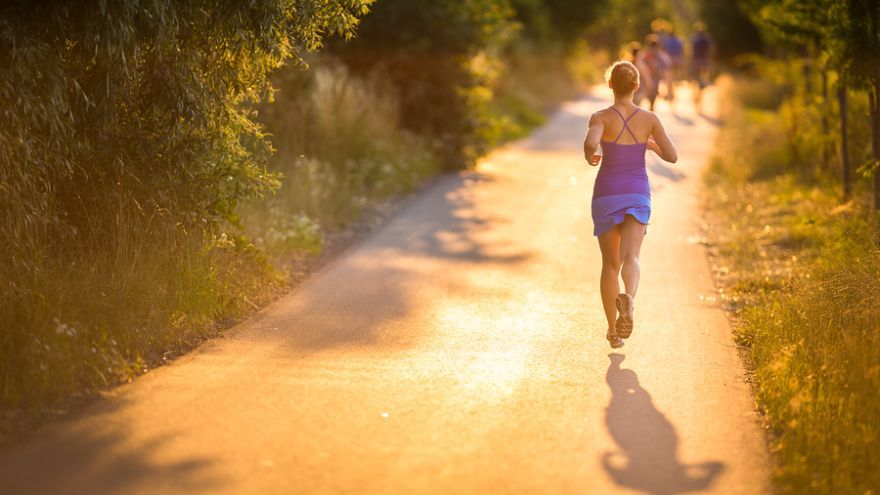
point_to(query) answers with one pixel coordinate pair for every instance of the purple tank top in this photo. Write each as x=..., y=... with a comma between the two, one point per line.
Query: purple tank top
x=623, y=166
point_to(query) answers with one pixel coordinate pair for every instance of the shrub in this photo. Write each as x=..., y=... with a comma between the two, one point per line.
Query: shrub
x=125, y=145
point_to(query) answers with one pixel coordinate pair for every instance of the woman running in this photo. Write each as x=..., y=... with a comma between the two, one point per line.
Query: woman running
x=621, y=195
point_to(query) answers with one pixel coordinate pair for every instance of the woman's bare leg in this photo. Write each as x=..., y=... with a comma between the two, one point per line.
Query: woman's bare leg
x=609, y=285
x=632, y=232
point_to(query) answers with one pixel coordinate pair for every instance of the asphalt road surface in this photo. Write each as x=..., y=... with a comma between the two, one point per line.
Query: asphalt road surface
x=459, y=349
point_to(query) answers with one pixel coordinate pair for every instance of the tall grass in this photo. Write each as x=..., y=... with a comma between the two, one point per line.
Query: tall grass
x=93, y=318
x=340, y=150
x=802, y=272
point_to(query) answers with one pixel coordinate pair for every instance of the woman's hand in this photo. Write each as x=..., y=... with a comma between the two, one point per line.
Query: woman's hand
x=653, y=146
x=595, y=159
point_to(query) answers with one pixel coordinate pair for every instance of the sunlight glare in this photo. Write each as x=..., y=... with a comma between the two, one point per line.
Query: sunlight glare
x=499, y=365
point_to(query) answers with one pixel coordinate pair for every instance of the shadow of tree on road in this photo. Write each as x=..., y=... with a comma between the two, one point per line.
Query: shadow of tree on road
x=74, y=457
x=358, y=299
x=648, y=460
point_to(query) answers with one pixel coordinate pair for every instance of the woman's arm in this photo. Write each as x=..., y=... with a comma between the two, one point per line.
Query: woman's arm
x=660, y=143
x=591, y=142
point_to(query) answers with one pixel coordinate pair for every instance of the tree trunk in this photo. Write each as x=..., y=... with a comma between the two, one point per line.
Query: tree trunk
x=844, y=149
x=874, y=103
x=806, y=69
x=826, y=125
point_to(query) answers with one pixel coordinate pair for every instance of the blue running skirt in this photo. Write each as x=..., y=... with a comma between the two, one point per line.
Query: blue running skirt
x=610, y=210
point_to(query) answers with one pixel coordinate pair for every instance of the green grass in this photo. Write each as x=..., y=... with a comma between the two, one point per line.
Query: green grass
x=801, y=271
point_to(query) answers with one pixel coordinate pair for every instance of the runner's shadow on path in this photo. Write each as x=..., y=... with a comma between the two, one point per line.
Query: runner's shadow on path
x=712, y=120
x=648, y=456
x=660, y=169
x=683, y=120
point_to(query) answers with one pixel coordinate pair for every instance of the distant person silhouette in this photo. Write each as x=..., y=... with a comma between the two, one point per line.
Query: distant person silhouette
x=674, y=48
x=645, y=78
x=701, y=61
x=658, y=63
x=621, y=205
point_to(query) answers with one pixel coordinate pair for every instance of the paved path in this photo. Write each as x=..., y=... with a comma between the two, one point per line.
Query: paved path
x=460, y=349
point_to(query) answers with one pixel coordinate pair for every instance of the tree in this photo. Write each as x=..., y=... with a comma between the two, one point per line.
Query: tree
x=141, y=106
x=822, y=27
x=859, y=37
x=126, y=140
x=571, y=18
x=440, y=55
x=849, y=32
x=623, y=21
x=557, y=21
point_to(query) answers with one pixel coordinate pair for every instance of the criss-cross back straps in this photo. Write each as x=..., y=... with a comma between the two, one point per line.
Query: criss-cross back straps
x=625, y=124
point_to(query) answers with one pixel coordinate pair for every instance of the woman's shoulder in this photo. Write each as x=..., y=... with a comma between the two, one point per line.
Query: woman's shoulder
x=649, y=115
x=638, y=114
x=600, y=115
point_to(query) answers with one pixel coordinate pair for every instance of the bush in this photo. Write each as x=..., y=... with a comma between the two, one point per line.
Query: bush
x=781, y=112
x=126, y=144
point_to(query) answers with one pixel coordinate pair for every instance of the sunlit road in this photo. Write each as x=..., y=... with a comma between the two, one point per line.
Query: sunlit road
x=459, y=349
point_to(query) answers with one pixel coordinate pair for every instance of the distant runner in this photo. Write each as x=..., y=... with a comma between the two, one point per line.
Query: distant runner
x=658, y=63
x=674, y=47
x=701, y=61
x=645, y=77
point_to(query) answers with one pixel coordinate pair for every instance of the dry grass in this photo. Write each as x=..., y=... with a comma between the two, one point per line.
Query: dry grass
x=801, y=272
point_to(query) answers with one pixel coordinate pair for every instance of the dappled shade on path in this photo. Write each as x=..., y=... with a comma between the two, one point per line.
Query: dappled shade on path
x=98, y=460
